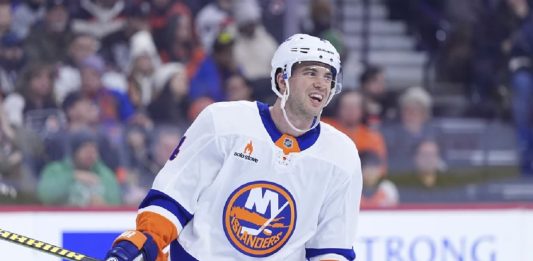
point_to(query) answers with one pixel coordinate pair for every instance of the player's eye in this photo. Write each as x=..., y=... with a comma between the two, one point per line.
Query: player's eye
x=309, y=73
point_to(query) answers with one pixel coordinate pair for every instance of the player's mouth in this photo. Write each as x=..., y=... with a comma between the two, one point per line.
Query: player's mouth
x=316, y=98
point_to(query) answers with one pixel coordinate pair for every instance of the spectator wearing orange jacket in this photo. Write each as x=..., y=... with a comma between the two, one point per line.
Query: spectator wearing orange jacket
x=350, y=120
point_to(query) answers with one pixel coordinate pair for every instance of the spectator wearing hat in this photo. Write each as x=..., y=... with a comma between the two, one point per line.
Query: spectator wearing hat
x=81, y=180
x=144, y=62
x=215, y=69
x=378, y=192
x=171, y=101
x=254, y=46
x=49, y=38
x=212, y=20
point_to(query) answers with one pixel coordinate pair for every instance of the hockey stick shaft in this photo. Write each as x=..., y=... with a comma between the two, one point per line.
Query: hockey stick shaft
x=44, y=247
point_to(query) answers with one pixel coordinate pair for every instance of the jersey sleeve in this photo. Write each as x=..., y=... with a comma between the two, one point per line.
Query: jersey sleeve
x=338, y=218
x=193, y=165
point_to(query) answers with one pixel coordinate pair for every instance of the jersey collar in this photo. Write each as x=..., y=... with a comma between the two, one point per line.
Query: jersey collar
x=304, y=141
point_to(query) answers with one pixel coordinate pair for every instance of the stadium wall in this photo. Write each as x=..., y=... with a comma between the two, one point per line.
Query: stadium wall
x=436, y=234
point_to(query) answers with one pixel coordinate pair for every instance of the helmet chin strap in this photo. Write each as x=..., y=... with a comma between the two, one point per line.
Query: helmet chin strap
x=284, y=98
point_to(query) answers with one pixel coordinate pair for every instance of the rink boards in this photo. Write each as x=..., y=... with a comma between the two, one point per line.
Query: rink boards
x=401, y=234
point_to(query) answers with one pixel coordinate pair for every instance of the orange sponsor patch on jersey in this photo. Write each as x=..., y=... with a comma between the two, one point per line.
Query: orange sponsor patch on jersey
x=288, y=144
x=249, y=148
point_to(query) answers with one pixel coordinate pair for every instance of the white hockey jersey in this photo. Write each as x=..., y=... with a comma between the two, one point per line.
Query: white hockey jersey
x=235, y=188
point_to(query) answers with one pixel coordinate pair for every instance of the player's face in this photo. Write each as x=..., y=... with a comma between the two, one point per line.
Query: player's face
x=310, y=87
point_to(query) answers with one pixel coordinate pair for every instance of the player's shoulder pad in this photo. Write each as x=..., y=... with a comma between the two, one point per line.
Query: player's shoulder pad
x=233, y=115
x=338, y=147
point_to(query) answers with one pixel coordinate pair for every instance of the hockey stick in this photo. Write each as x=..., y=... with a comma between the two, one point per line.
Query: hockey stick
x=44, y=247
x=255, y=232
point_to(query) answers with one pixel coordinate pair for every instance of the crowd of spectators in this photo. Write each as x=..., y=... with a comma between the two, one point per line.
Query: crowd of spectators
x=485, y=47
x=95, y=94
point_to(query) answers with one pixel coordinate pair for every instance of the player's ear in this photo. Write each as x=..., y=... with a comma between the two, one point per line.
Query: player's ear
x=280, y=82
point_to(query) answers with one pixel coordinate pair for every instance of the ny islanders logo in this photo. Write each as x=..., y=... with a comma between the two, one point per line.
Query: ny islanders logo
x=259, y=218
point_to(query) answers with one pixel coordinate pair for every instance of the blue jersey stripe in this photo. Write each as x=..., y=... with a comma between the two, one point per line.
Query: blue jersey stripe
x=304, y=141
x=158, y=198
x=178, y=253
x=346, y=253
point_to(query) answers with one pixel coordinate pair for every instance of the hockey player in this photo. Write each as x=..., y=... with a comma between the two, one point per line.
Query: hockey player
x=250, y=181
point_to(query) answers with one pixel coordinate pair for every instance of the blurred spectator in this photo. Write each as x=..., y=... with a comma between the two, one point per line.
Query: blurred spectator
x=170, y=102
x=214, y=70
x=49, y=38
x=166, y=139
x=82, y=180
x=211, y=21
x=14, y=170
x=182, y=45
x=274, y=12
x=34, y=97
x=144, y=61
x=162, y=12
x=455, y=61
x=81, y=47
x=100, y=18
x=26, y=14
x=424, y=19
x=428, y=163
x=254, y=46
x=414, y=127
x=320, y=25
x=238, y=89
x=379, y=102
x=82, y=115
x=114, y=106
x=115, y=49
x=521, y=66
x=351, y=120
x=139, y=175
x=430, y=182
x=5, y=18
x=377, y=191
x=148, y=163
x=198, y=106
x=12, y=60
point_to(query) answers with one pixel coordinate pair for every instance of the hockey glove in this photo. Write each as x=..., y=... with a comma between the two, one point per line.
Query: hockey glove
x=133, y=246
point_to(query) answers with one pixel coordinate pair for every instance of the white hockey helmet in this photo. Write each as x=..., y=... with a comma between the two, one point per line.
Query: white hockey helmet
x=302, y=48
